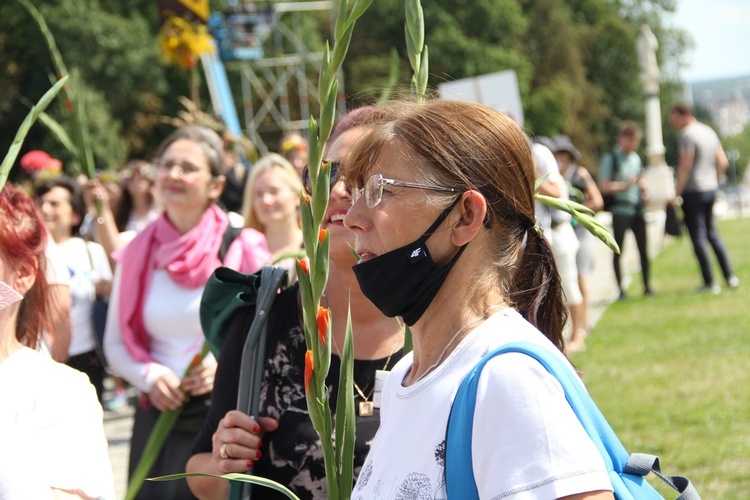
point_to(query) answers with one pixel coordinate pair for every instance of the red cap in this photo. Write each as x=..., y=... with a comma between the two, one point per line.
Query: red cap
x=37, y=160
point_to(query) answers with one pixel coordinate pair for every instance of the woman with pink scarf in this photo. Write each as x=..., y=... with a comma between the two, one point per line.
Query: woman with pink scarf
x=153, y=331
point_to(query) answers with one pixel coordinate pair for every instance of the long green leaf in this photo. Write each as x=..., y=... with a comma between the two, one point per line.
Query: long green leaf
x=415, y=20
x=411, y=49
x=325, y=80
x=80, y=129
x=423, y=77
x=23, y=130
x=416, y=49
x=340, y=50
x=153, y=447
x=360, y=6
x=62, y=70
x=345, y=416
x=340, y=25
x=60, y=133
x=156, y=439
x=392, y=77
x=235, y=476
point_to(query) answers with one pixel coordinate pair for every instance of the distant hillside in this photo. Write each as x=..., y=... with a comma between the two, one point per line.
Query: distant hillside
x=726, y=88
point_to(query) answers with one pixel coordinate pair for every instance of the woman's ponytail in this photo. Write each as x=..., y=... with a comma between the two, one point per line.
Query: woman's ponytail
x=536, y=288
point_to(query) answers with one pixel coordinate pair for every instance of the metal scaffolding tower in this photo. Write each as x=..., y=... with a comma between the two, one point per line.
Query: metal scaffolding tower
x=279, y=73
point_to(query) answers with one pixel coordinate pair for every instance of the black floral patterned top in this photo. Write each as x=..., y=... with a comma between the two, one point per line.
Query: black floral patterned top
x=292, y=454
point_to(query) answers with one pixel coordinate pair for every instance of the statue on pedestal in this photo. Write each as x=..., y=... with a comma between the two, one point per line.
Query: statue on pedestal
x=658, y=177
x=646, y=46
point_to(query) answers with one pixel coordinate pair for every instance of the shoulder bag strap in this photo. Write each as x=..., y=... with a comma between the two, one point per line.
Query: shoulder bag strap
x=253, y=357
x=253, y=353
x=459, y=470
x=230, y=234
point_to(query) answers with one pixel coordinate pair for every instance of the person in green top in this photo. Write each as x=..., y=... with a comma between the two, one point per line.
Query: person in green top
x=621, y=176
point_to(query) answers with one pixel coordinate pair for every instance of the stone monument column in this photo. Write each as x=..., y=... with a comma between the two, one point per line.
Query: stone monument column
x=659, y=177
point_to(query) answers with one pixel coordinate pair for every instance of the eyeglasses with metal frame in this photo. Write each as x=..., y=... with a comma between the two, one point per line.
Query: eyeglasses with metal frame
x=373, y=189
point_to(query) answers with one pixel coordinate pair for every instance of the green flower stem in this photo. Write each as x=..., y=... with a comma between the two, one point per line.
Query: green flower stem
x=584, y=215
x=338, y=452
x=416, y=49
x=158, y=436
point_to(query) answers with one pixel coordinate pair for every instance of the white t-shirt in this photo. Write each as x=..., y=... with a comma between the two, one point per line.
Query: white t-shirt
x=50, y=429
x=55, y=272
x=171, y=318
x=528, y=443
x=86, y=265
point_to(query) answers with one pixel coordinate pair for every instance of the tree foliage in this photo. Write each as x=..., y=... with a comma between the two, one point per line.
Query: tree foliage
x=575, y=59
x=125, y=84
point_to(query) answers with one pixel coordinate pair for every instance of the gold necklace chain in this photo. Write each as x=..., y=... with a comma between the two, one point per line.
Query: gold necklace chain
x=366, y=406
x=463, y=328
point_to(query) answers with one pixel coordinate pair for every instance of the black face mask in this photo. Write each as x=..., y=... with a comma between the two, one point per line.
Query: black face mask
x=404, y=281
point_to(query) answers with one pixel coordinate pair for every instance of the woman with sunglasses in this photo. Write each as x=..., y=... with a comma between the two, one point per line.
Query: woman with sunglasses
x=271, y=206
x=153, y=331
x=281, y=444
x=443, y=217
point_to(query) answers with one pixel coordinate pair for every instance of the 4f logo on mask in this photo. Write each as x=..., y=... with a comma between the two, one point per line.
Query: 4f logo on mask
x=418, y=254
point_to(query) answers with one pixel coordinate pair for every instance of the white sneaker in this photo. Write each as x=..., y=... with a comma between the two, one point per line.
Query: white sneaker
x=733, y=282
x=713, y=289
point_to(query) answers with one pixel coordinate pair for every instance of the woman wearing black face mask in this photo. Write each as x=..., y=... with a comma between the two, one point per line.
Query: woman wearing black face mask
x=443, y=217
x=281, y=443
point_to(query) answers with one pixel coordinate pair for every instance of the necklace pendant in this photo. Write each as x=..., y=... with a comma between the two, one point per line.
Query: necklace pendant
x=365, y=409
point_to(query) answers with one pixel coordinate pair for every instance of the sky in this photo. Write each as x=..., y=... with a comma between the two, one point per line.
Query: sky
x=721, y=32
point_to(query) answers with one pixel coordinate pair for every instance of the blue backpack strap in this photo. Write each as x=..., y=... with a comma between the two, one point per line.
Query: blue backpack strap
x=459, y=471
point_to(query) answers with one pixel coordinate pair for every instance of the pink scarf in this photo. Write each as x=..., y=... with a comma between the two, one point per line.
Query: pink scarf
x=188, y=258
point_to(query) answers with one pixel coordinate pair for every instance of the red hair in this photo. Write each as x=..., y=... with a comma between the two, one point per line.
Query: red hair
x=22, y=243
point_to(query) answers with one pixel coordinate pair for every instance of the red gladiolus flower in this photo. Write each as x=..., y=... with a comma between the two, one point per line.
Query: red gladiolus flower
x=324, y=317
x=322, y=235
x=304, y=266
x=309, y=365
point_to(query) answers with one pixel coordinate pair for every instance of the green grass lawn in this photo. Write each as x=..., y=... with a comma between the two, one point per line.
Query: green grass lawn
x=672, y=373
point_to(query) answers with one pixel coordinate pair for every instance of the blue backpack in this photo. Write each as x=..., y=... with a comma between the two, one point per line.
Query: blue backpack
x=627, y=472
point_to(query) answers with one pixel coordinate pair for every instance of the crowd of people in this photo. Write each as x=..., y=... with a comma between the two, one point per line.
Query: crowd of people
x=106, y=275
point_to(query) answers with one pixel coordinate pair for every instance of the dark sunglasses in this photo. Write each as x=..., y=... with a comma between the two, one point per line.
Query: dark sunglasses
x=307, y=182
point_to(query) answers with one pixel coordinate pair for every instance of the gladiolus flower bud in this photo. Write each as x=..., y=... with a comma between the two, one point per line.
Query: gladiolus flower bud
x=324, y=317
x=309, y=365
x=306, y=199
x=322, y=235
x=196, y=361
x=304, y=266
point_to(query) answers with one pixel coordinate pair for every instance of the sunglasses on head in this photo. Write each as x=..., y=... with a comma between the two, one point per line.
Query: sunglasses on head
x=334, y=175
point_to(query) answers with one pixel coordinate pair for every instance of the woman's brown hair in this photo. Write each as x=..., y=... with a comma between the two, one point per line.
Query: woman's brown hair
x=474, y=147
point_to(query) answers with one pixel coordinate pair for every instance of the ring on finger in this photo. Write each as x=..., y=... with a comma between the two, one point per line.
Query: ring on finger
x=208, y=380
x=223, y=451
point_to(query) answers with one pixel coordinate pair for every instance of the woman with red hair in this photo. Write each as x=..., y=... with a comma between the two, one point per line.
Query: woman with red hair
x=49, y=410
